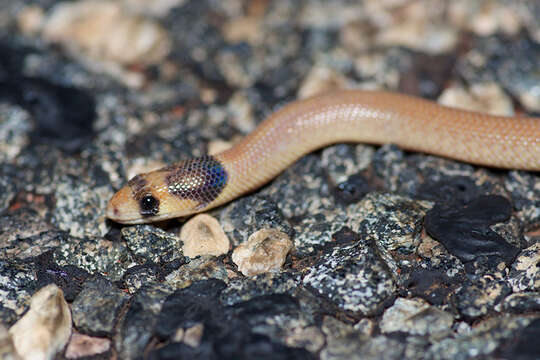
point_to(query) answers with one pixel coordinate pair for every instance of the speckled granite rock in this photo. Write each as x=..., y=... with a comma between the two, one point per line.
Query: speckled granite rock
x=353, y=277
x=96, y=307
x=110, y=258
x=154, y=244
x=203, y=267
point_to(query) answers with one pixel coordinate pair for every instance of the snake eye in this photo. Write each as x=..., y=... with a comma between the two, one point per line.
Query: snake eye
x=149, y=205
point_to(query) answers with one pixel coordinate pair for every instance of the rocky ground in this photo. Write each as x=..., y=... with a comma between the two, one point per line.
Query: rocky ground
x=355, y=252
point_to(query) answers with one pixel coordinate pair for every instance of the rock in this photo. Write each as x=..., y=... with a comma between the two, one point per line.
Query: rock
x=14, y=128
x=134, y=330
x=319, y=80
x=80, y=207
x=481, y=340
x=477, y=298
x=500, y=59
x=189, y=306
x=201, y=268
x=356, y=347
x=81, y=346
x=353, y=277
x=311, y=338
x=242, y=288
x=266, y=250
x=465, y=232
x=156, y=8
x=69, y=278
x=62, y=115
x=482, y=97
x=525, y=273
x=113, y=260
x=203, y=235
x=485, y=17
x=243, y=117
x=393, y=221
x=147, y=242
x=106, y=31
x=242, y=218
x=97, y=306
x=419, y=28
x=45, y=329
x=30, y=19
x=522, y=303
x=525, y=345
x=26, y=226
x=416, y=316
x=17, y=284
x=239, y=331
x=524, y=188
x=191, y=336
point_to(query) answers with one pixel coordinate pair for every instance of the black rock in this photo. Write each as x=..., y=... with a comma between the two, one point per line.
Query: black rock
x=134, y=330
x=458, y=190
x=431, y=285
x=353, y=189
x=465, y=233
x=63, y=115
x=97, y=306
x=525, y=346
x=189, y=306
x=69, y=278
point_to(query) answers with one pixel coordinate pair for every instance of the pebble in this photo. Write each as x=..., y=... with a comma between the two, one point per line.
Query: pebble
x=321, y=79
x=485, y=17
x=158, y=8
x=106, y=31
x=266, y=250
x=482, y=97
x=201, y=268
x=203, y=235
x=83, y=345
x=97, y=306
x=416, y=316
x=524, y=275
x=45, y=329
x=419, y=27
x=30, y=19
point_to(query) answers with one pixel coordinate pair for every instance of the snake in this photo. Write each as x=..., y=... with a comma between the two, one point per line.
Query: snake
x=341, y=116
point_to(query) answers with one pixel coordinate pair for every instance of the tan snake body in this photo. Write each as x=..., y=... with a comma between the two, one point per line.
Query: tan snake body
x=374, y=117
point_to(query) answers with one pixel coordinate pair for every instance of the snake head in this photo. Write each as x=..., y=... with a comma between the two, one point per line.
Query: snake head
x=177, y=190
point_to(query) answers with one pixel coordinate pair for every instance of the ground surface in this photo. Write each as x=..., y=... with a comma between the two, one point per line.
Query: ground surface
x=387, y=254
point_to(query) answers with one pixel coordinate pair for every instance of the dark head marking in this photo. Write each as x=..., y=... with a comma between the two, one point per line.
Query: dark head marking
x=137, y=183
x=148, y=205
x=201, y=179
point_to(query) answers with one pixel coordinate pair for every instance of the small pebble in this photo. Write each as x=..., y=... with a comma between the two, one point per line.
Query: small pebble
x=320, y=80
x=203, y=235
x=106, y=31
x=264, y=251
x=81, y=345
x=486, y=97
x=30, y=19
x=417, y=317
x=217, y=146
x=45, y=329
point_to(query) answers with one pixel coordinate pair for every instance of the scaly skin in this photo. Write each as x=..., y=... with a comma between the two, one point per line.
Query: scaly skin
x=303, y=126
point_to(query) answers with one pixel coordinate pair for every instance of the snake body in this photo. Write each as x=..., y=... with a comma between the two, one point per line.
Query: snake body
x=374, y=117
